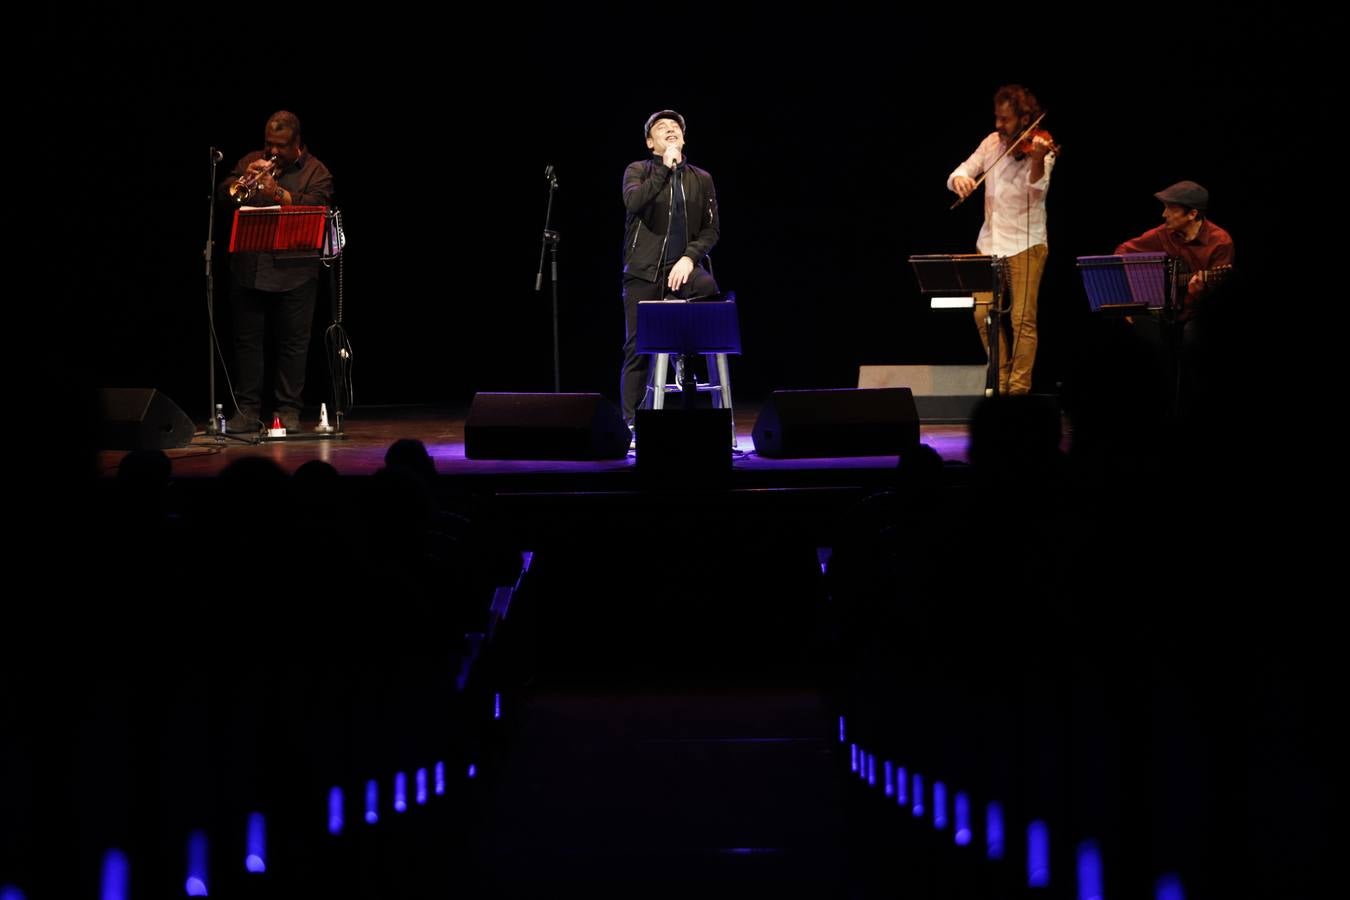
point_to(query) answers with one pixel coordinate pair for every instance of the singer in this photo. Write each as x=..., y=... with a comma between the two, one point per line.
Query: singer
x=671, y=224
x=265, y=286
x=1014, y=227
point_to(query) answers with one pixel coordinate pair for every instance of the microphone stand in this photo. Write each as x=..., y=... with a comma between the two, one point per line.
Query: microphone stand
x=685, y=376
x=208, y=255
x=550, y=242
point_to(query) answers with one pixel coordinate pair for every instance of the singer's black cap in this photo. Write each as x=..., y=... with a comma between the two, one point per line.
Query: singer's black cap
x=661, y=114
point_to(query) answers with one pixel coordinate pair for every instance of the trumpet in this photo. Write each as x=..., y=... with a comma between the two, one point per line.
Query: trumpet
x=247, y=184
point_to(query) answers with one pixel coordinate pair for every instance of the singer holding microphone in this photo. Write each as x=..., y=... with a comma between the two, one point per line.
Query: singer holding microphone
x=283, y=173
x=671, y=224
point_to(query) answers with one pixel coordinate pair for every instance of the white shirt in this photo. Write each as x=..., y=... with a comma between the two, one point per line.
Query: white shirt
x=1014, y=210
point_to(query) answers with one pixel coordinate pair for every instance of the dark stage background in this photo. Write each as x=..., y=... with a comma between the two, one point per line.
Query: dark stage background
x=829, y=138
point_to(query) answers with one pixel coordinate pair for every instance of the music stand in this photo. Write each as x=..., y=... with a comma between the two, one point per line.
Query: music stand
x=1127, y=283
x=294, y=233
x=963, y=274
x=1139, y=284
x=689, y=328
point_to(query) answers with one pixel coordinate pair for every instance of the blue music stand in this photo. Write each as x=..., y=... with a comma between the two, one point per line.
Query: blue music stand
x=1127, y=283
x=688, y=328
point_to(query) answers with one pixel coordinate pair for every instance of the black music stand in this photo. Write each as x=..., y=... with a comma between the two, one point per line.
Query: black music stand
x=689, y=328
x=964, y=274
x=301, y=232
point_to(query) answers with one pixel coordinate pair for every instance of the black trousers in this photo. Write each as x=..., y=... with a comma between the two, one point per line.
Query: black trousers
x=637, y=366
x=291, y=314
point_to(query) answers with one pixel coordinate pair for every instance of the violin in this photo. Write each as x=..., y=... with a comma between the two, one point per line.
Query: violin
x=1028, y=143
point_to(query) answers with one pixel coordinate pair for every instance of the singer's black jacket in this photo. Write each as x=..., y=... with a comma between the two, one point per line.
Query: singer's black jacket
x=647, y=187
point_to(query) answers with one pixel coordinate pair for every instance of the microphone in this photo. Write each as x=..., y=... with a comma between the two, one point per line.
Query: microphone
x=216, y=155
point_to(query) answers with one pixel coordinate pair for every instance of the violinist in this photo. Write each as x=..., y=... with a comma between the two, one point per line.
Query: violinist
x=1014, y=164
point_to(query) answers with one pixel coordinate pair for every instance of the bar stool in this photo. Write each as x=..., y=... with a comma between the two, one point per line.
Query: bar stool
x=685, y=328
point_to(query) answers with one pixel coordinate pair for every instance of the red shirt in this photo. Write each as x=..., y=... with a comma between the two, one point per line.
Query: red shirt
x=1211, y=248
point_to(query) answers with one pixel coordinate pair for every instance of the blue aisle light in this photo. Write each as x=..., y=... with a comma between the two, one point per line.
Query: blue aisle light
x=1089, y=871
x=1038, y=854
x=993, y=830
x=196, y=864
x=116, y=876
x=256, y=861
x=961, y=812
x=336, y=819
x=372, y=802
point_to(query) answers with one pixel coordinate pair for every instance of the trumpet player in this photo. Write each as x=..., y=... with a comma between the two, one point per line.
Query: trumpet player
x=266, y=287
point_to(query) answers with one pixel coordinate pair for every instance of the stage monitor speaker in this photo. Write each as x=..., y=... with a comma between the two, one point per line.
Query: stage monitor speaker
x=942, y=394
x=544, y=426
x=141, y=419
x=840, y=422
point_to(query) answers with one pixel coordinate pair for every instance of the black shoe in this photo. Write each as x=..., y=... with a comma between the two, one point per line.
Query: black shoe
x=243, y=423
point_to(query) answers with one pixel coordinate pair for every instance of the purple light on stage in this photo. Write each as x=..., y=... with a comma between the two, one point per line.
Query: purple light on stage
x=196, y=864
x=400, y=792
x=916, y=786
x=336, y=819
x=421, y=787
x=823, y=557
x=439, y=772
x=872, y=769
x=1038, y=854
x=901, y=786
x=888, y=778
x=853, y=757
x=1169, y=888
x=256, y=861
x=939, y=805
x=1089, y=871
x=841, y=730
x=993, y=830
x=497, y=705
x=115, y=877
x=372, y=802
x=961, y=812
x=10, y=892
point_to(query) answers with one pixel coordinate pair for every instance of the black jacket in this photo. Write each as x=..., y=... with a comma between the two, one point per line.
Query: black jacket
x=647, y=192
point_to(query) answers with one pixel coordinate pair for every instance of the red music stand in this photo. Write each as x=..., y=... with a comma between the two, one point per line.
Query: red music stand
x=292, y=231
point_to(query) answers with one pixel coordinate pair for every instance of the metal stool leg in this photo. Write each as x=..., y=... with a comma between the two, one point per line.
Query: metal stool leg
x=658, y=380
x=724, y=382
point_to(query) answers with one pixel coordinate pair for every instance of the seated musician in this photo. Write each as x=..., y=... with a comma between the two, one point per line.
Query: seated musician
x=1202, y=249
x=1204, y=254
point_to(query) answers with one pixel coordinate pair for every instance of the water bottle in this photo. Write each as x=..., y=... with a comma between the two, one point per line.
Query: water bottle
x=220, y=418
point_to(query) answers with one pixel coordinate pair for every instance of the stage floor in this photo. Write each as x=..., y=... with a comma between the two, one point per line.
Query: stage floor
x=370, y=430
